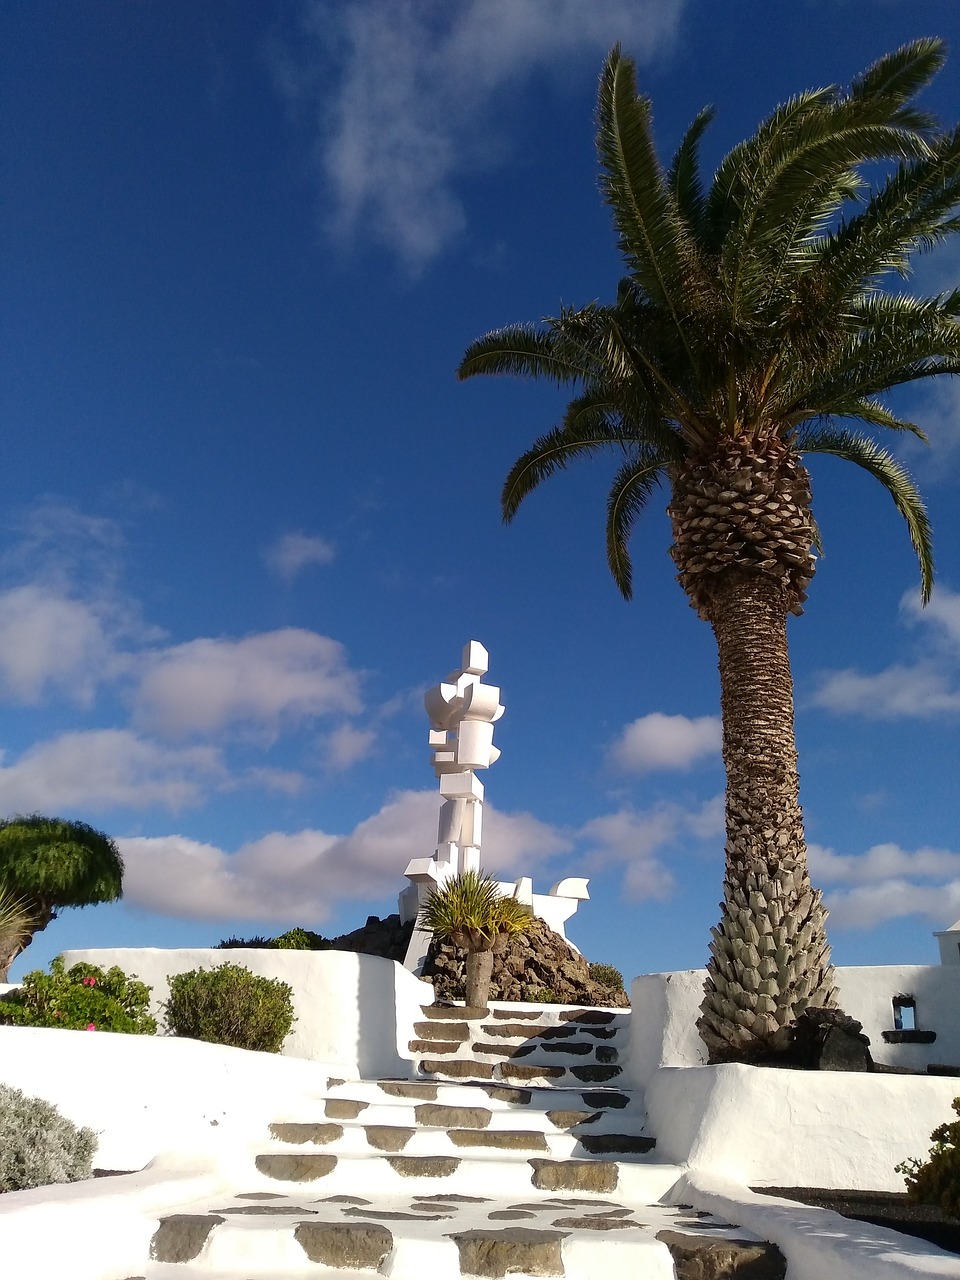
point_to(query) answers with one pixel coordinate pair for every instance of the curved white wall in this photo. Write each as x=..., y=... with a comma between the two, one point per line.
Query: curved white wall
x=355, y=1012
x=145, y=1094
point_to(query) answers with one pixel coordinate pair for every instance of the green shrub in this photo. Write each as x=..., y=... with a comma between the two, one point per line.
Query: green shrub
x=607, y=976
x=545, y=995
x=230, y=1005
x=82, y=998
x=38, y=1145
x=301, y=940
x=936, y=1180
x=293, y=940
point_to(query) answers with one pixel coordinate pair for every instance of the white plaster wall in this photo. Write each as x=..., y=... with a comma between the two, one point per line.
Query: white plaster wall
x=356, y=1012
x=143, y=1095
x=663, y=1024
x=867, y=994
x=818, y=1244
x=768, y=1127
x=666, y=1006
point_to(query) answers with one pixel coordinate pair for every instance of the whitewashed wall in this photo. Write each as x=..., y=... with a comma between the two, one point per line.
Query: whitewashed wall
x=355, y=1012
x=142, y=1095
x=766, y=1127
x=666, y=1006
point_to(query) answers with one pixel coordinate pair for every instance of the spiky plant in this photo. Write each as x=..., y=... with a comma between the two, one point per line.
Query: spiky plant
x=470, y=911
x=14, y=924
x=49, y=863
x=754, y=325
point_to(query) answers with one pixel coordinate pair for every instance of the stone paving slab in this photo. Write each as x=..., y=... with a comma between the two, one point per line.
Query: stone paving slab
x=319, y=1235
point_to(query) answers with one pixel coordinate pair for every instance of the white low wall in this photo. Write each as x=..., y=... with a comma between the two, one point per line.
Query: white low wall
x=666, y=1007
x=355, y=1012
x=142, y=1095
x=767, y=1127
x=817, y=1243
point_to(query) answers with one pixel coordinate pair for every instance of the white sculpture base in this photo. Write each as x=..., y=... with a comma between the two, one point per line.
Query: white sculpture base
x=426, y=874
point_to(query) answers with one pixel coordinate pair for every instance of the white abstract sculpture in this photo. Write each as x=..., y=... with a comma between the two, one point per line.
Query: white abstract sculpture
x=462, y=714
x=462, y=711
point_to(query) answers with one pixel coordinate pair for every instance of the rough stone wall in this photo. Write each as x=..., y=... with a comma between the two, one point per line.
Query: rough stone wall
x=530, y=965
x=387, y=937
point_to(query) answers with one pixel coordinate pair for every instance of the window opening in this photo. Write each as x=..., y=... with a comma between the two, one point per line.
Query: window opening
x=904, y=1013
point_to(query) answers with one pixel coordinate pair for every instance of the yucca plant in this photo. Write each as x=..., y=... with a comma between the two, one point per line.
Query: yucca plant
x=470, y=911
x=755, y=324
x=14, y=924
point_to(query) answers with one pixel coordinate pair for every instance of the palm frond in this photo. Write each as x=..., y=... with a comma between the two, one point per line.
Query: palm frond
x=894, y=477
x=654, y=240
x=632, y=487
x=912, y=210
x=901, y=75
x=522, y=349
x=552, y=452
x=683, y=177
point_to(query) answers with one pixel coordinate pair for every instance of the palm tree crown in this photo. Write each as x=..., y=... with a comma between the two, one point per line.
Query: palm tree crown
x=754, y=324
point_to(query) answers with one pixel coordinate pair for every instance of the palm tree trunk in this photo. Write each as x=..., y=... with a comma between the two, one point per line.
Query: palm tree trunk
x=769, y=954
x=478, y=976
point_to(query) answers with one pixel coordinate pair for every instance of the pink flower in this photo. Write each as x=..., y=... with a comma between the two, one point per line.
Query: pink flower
x=91, y=1026
x=58, y=1014
x=89, y=982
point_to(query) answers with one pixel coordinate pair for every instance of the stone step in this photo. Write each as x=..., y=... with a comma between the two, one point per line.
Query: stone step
x=470, y=1171
x=440, y=1237
x=357, y=1139
x=431, y=1115
x=525, y=1032
x=498, y=1096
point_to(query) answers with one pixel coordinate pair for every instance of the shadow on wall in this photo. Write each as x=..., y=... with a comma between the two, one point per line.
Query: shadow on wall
x=354, y=1012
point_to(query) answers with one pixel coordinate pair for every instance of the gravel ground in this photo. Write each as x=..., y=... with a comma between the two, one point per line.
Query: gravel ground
x=882, y=1208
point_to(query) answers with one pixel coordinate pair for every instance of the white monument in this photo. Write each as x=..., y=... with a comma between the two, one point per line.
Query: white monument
x=462, y=712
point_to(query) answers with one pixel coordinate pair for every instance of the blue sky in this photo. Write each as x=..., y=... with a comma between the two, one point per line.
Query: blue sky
x=250, y=515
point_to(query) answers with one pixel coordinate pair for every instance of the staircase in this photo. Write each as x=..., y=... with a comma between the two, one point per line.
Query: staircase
x=513, y=1152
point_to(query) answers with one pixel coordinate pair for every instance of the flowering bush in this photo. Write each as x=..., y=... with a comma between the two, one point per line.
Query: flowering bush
x=38, y=1145
x=82, y=998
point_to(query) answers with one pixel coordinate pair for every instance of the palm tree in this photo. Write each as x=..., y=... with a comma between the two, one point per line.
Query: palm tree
x=753, y=326
x=470, y=911
x=48, y=864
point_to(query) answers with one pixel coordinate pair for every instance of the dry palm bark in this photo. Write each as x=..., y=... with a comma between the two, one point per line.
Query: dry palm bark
x=742, y=537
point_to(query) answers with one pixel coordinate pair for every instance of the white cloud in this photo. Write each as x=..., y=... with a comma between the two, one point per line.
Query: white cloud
x=409, y=95
x=300, y=877
x=636, y=838
x=294, y=552
x=107, y=768
x=347, y=745
x=887, y=882
x=658, y=741
x=51, y=641
x=263, y=681
x=922, y=690
x=928, y=687
x=942, y=613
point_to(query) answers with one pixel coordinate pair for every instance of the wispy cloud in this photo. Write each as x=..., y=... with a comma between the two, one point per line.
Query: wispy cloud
x=294, y=552
x=262, y=681
x=888, y=882
x=303, y=875
x=50, y=642
x=105, y=769
x=923, y=689
x=636, y=839
x=658, y=741
x=409, y=96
